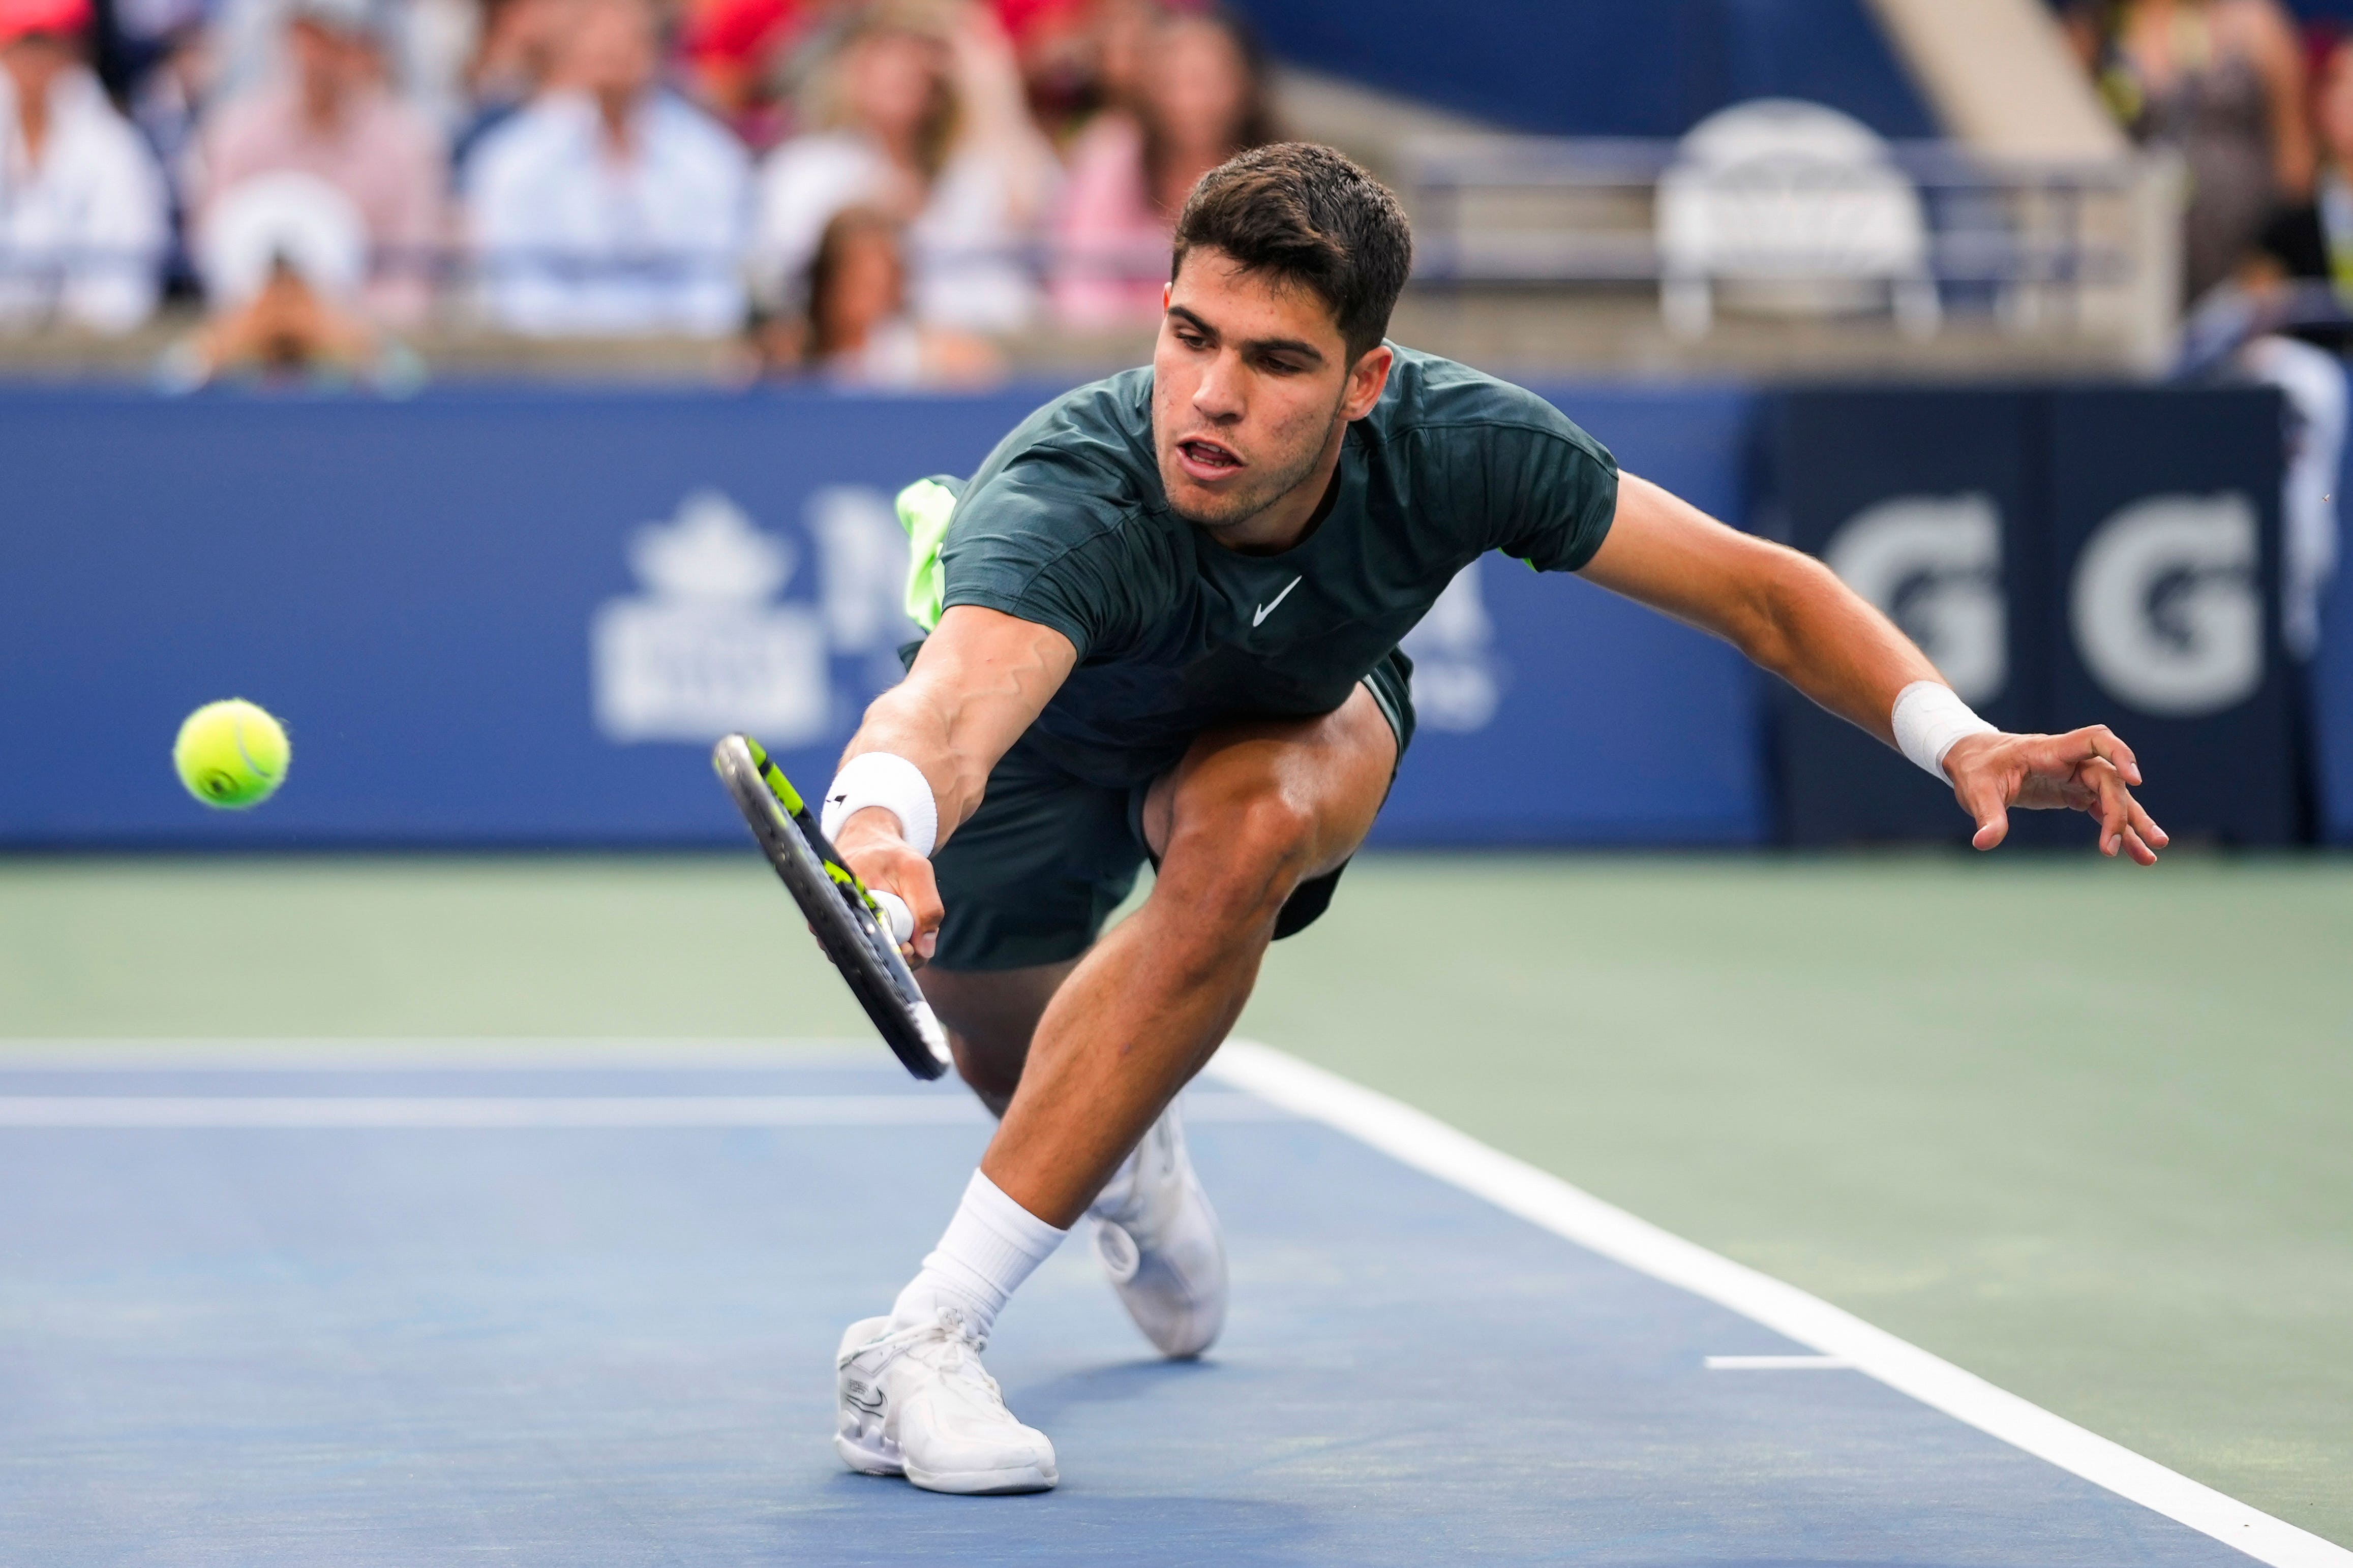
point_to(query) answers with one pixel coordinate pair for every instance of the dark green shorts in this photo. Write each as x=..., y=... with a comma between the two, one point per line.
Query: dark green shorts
x=1049, y=855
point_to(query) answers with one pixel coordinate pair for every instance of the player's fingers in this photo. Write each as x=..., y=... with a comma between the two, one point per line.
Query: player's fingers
x=2116, y=808
x=2146, y=826
x=897, y=919
x=2099, y=740
x=922, y=891
x=1984, y=803
x=2137, y=848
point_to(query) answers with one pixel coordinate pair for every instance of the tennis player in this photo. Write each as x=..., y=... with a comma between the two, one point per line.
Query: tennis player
x=1165, y=618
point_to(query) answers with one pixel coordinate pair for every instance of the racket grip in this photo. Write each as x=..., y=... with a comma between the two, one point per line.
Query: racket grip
x=896, y=917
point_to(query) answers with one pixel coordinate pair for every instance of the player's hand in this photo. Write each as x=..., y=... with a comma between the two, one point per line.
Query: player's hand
x=870, y=844
x=2085, y=769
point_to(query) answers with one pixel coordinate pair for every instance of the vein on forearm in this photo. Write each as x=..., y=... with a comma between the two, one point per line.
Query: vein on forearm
x=948, y=718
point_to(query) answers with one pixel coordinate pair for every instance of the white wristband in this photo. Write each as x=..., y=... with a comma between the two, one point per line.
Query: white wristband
x=894, y=784
x=1930, y=720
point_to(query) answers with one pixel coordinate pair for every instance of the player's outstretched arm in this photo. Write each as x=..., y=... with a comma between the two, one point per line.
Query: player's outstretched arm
x=982, y=678
x=1792, y=614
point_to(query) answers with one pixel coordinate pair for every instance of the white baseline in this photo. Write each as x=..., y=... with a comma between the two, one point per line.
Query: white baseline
x=1542, y=1199
x=492, y=1112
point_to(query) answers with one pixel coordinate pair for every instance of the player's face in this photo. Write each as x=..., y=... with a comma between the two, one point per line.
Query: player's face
x=1253, y=389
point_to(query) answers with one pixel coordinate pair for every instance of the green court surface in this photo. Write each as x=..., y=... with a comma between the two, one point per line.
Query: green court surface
x=2084, y=1131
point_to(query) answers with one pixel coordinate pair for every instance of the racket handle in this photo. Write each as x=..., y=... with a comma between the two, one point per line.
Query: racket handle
x=896, y=917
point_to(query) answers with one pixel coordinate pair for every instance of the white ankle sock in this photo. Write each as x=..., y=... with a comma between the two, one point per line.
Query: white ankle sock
x=989, y=1247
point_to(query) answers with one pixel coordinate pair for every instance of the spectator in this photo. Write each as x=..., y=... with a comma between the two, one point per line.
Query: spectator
x=428, y=52
x=82, y=224
x=420, y=48
x=2310, y=245
x=859, y=333
x=284, y=258
x=1202, y=98
x=2221, y=80
x=923, y=118
x=1058, y=46
x=611, y=208
x=1078, y=57
x=334, y=118
x=514, y=58
x=2313, y=241
x=167, y=105
x=732, y=47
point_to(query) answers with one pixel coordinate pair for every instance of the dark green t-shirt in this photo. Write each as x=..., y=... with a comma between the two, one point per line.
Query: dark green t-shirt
x=1066, y=525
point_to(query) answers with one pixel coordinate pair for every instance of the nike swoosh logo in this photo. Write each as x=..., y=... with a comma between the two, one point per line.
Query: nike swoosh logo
x=1266, y=610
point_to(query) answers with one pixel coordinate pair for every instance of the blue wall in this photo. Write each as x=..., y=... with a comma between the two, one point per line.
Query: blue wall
x=1615, y=725
x=518, y=619
x=416, y=588
x=1604, y=68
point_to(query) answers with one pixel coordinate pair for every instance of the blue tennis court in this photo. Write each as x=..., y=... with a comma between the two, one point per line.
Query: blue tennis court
x=558, y=1307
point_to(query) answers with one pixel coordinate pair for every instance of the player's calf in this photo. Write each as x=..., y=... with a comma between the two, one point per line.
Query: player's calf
x=991, y=1015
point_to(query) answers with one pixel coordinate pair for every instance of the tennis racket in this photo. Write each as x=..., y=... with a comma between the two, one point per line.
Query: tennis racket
x=852, y=925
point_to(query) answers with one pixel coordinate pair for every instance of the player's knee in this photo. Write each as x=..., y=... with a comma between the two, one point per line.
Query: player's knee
x=1247, y=861
x=1274, y=832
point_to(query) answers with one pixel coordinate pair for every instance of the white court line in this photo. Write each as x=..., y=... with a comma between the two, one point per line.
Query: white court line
x=438, y=1054
x=118, y=1110
x=1430, y=1145
x=1776, y=1363
x=474, y=1111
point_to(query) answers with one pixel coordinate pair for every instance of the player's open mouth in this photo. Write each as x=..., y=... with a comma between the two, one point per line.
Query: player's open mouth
x=1206, y=460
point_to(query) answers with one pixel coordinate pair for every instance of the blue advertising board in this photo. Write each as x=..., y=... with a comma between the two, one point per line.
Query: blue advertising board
x=1930, y=504
x=519, y=618
x=2069, y=557
x=2165, y=536
x=1552, y=713
x=2330, y=704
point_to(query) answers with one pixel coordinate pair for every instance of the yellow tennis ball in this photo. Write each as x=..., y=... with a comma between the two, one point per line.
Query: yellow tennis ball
x=231, y=754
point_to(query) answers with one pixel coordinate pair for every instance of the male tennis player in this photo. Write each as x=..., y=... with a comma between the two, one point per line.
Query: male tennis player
x=1167, y=616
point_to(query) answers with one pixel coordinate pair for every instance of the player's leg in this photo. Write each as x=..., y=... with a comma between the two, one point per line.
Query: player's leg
x=1250, y=814
x=1155, y=1233
x=1028, y=881
x=1251, y=811
x=990, y=1015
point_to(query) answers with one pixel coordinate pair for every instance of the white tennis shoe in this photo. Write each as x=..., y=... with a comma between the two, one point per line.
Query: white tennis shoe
x=1159, y=1241
x=915, y=1402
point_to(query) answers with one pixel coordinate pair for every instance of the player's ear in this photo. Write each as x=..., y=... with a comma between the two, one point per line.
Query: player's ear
x=1368, y=378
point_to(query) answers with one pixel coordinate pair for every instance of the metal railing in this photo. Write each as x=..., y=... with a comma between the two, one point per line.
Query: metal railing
x=2088, y=247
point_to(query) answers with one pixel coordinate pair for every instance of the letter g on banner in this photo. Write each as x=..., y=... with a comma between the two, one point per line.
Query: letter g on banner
x=1933, y=565
x=2166, y=609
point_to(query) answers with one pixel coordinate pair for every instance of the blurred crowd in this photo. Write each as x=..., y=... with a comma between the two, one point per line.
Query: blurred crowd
x=871, y=191
x=2261, y=111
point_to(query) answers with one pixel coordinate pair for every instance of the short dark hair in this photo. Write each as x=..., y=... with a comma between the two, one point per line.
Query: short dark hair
x=1308, y=215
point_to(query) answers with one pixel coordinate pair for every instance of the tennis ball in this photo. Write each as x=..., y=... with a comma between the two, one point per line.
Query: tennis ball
x=231, y=754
